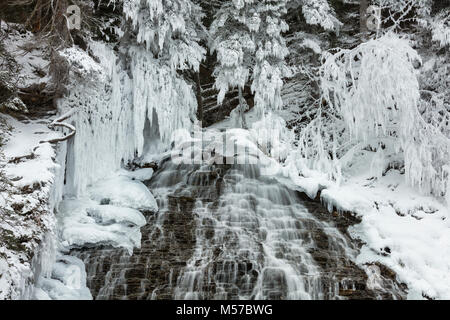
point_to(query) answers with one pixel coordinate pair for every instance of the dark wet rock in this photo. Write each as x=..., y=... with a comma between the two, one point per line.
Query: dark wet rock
x=105, y=201
x=351, y=279
x=112, y=273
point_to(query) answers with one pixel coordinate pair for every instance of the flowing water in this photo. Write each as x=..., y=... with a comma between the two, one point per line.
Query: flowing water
x=227, y=232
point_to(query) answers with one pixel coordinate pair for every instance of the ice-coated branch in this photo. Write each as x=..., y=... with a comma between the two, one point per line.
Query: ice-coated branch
x=59, y=123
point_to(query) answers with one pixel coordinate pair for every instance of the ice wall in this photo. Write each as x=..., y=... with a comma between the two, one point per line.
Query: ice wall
x=114, y=100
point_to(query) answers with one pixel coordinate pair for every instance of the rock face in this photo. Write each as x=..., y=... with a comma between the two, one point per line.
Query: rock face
x=225, y=232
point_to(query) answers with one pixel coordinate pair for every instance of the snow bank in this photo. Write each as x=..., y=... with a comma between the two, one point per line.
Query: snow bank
x=123, y=192
x=106, y=214
x=26, y=137
x=417, y=249
x=109, y=216
x=86, y=223
x=87, y=233
x=344, y=198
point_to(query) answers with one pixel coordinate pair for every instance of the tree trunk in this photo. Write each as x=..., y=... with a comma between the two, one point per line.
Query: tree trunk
x=38, y=16
x=199, y=98
x=363, y=6
x=242, y=104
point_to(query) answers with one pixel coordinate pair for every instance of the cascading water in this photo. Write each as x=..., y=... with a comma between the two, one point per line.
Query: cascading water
x=249, y=243
x=228, y=232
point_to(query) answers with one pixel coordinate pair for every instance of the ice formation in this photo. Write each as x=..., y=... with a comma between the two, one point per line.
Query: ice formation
x=113, y=111
x=86, y=223
x=67, y=281
x=109, y=218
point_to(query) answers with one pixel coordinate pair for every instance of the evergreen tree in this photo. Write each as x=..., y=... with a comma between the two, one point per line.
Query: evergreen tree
x=170, y=29
x=318, y=12
x=247, y=36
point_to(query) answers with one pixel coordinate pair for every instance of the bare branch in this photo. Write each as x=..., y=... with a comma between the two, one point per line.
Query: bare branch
x=59, y=123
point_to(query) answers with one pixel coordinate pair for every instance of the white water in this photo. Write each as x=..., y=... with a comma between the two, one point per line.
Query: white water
x=263, y=234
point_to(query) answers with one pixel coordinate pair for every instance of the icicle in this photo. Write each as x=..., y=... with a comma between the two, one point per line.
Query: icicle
x=113, y=109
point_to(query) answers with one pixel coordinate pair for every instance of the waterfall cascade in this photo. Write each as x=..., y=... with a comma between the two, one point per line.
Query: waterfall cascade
x=226, y=232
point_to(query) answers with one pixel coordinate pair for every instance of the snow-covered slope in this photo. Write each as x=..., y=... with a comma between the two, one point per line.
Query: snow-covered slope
x=27, y=203
x=407, y=231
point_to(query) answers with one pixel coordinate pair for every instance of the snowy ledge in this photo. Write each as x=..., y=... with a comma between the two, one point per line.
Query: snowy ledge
x=110, y=213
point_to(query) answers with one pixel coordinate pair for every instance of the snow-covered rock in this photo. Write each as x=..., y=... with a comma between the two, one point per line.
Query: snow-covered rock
x=27, y=203
x=124, y=192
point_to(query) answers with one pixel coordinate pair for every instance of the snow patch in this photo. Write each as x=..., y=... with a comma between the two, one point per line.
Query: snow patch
x=144, y=174
x=124, y=192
